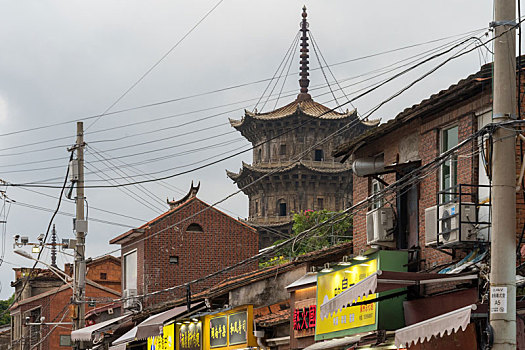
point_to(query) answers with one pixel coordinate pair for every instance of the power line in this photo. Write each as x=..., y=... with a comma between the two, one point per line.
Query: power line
x=232, y=87
x=210, y=108
x=291, y=129
x=392, y=188
x=155, y=64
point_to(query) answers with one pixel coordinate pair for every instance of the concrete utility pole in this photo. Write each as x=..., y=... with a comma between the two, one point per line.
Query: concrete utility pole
x=81, y=229
x=503, y=245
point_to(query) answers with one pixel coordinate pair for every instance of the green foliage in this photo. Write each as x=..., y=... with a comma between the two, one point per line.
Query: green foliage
x=276, y=260
x=327, y=235
x=4, y=304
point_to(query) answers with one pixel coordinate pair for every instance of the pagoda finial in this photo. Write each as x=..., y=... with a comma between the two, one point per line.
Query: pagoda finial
x=54, y=247
x=304, y=81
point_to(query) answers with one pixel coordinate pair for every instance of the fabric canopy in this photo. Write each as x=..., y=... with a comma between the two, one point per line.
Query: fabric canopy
x=127, y=337
x=87, y=332
x=436, y=326
x=152, y=326
x=333, y=343
x=382, y=281
x=118, y=347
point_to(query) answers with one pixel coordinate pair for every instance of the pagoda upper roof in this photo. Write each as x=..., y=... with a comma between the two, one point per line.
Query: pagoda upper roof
x=307, y=107
x=248, y=169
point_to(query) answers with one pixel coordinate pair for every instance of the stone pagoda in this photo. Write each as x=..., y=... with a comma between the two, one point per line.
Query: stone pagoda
x=293, y=169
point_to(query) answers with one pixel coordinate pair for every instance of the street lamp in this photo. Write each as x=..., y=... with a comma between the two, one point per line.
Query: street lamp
x=61, y=274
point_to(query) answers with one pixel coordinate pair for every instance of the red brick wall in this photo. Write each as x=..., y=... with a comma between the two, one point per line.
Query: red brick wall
x=112, y=270
x=53, y=307
x=429, y=133
x=223, y=242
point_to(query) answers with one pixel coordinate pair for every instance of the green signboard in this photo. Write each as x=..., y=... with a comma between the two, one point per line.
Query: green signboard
x=384, y=315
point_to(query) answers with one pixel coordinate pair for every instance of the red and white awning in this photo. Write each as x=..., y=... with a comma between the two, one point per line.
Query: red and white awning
x=437, y=326
x=382, y=281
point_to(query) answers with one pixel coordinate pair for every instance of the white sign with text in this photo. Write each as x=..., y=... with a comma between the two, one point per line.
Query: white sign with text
x=498, y=300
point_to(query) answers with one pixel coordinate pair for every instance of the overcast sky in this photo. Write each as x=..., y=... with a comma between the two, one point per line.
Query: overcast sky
x=67, y=60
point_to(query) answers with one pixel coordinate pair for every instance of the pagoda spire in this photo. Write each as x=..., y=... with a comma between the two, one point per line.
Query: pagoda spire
x=54, y=247
x=304, y=81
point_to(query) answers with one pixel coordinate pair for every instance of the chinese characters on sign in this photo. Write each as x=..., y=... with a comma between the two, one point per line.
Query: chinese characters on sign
x=190, y=336
x=304, y=318
x=164, y=341
x=331, y=284
x=218, y=331
x=498, y=300
x=237, y=324
x=228, y=330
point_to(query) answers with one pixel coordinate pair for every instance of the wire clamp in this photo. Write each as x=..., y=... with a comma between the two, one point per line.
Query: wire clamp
x=495, y=24
x=505, y=115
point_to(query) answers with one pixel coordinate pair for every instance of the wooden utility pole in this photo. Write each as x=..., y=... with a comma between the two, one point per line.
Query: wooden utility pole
x=503, y=245
x=81, y=229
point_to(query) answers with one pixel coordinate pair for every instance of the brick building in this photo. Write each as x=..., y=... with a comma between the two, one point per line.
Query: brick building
x=293, y=168
x=441, y=212
x=46, y=295
x=191, y=240
x=414, y=138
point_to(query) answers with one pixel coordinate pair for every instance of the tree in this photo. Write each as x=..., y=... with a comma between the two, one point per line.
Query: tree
x=4, y=305
x=337, y=230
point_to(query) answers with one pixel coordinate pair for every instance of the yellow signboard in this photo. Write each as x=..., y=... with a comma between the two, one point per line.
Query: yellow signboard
x=330, y=285
x=166, y=341
x=228, y=330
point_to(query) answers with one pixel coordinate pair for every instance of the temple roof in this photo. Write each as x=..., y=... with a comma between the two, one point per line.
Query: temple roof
x=307, y=107
x=247, y=169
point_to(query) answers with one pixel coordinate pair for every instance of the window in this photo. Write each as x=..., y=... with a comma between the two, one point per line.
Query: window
x=376, y=187
x=130, y=270
x=256, y=207
x=103, y=276
x=174, y=260
x=259, y=155
x=320, y=203
x=449, y=169
x=283, y=150
x=319, y=155
x=65, y=340
x=195, y=228
x=16, y=327
x=282, y=209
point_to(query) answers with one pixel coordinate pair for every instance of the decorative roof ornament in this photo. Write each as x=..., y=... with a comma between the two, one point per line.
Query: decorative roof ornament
x=304, y=81
x=192, y=193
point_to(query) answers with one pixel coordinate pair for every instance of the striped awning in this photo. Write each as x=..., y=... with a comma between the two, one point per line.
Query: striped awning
x=382, y=281
x=438, y=326
x=87, y=333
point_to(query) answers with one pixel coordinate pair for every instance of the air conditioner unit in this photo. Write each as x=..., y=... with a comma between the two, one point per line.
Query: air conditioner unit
x=431, y=226
x=450, y=221
x=379, y=226
x=129, y=300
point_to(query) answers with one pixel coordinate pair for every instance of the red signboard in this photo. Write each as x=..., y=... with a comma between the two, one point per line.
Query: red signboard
x=304, y=318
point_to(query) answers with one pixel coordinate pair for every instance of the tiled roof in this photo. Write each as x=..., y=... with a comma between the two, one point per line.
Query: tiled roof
x=272, y=315
x=234, y=282
x=307, y=107
x=283, y=168
x=453, y=94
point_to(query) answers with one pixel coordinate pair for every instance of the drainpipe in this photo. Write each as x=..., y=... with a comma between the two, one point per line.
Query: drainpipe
x=260, y=335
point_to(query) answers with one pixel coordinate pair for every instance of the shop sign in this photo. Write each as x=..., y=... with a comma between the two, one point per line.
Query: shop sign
x=190, y=336
x=331, y=284
x=166, y=341
x=237, y=324
x=232, y=329
x=219, y=331
x=304, y=318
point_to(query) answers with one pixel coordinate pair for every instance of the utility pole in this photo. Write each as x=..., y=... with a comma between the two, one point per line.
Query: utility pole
x=503, y=245
x=79, y=290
